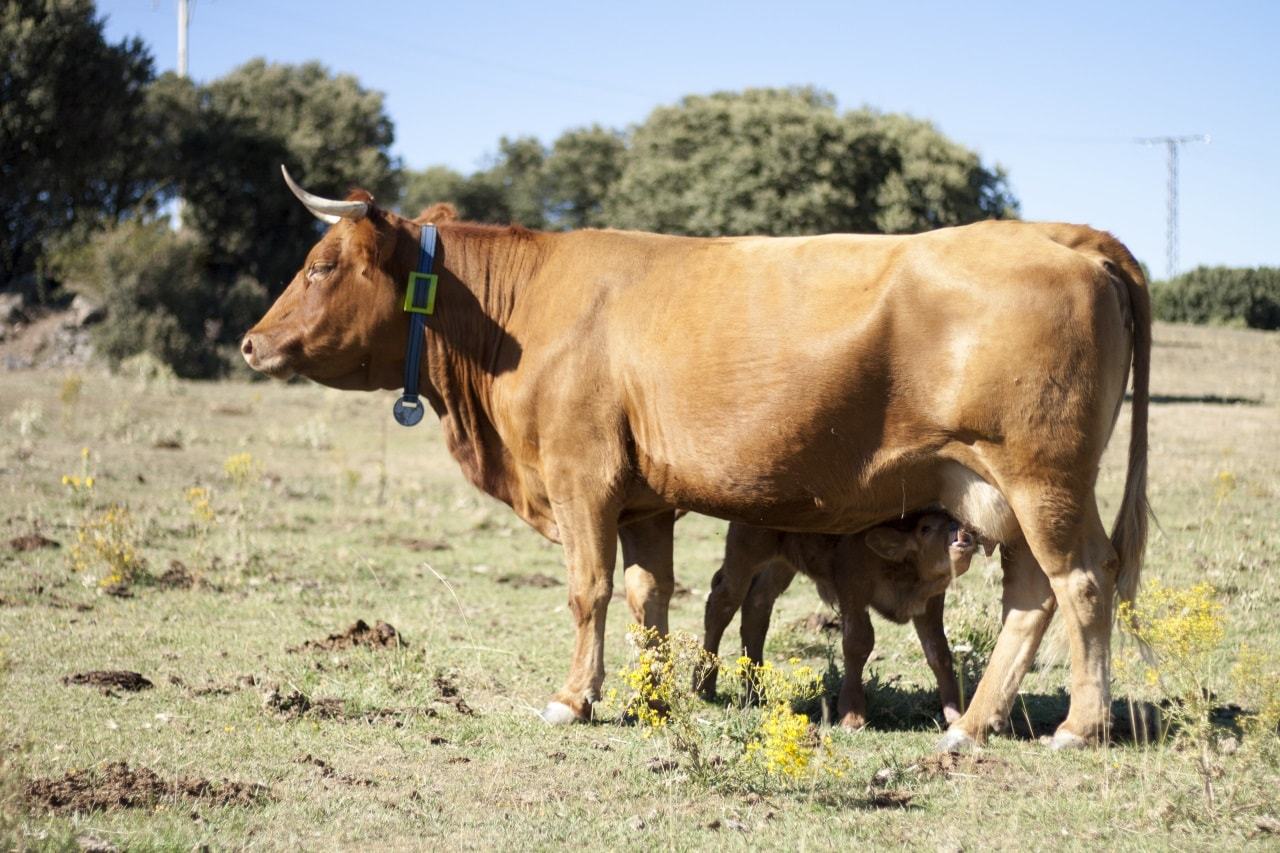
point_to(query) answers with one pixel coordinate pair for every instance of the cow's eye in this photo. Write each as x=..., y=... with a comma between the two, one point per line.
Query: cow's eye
x=319, y=269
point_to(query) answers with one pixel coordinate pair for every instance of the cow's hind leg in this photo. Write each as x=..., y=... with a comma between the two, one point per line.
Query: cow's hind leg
x=1028, y=606
x=590, y=536
x=1065, y=561
x=1082, y=568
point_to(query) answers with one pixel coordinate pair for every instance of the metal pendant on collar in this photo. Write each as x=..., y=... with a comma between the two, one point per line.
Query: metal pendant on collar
x=419, y=301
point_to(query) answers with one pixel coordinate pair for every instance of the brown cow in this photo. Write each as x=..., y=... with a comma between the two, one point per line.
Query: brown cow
x=595, y=380
x=902, y=570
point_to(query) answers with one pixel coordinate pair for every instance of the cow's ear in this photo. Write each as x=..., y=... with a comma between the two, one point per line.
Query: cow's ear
x=890, y=544
x=439, y=212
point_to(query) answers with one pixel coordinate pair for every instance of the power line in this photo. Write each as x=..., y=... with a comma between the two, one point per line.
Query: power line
x=1172, y=144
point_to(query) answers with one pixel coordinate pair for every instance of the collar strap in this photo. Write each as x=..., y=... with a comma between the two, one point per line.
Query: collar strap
x=419, y=301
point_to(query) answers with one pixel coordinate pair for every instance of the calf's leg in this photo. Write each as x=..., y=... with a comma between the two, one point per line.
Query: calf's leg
x=937, y=652
x=858, y=641
x=747, y=551
x=647, y=570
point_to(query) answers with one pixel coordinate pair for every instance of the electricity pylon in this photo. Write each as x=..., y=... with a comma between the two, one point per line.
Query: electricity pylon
x=1171, y=144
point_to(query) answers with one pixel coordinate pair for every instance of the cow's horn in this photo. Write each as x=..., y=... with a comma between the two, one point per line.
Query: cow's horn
x=325, y=209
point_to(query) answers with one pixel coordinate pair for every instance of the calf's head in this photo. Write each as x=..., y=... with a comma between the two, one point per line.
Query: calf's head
x=340, y=320
x=919, y=563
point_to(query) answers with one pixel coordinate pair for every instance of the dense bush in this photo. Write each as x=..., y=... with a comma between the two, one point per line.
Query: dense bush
x=158, y=296
x=1221, y=296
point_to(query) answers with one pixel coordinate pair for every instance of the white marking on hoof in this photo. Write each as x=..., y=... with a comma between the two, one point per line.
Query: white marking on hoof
x=558, y=714
x=955, y=740
x=1063, y=739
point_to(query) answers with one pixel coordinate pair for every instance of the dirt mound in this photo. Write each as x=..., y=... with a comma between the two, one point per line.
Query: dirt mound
x=117, y=786
x=32, y=542
x=947, y=764
x=107, y=680
x=449, y=695
x=819, y=622
x=380, y=636
x=176, y=577
x=534, y=581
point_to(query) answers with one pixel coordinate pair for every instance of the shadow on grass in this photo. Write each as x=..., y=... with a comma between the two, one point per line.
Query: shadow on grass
x=1209, y=399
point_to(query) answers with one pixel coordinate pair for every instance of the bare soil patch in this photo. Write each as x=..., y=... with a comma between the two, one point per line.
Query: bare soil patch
x=108, y=680
x=327, y=771
x=380, y=636
x=538, y=580
x=450, y=696
x=118, y=786
x=414, y=543
x=294, y=705
x=33, y=541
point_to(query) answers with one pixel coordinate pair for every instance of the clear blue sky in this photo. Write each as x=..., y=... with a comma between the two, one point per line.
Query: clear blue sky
x=1054, y=92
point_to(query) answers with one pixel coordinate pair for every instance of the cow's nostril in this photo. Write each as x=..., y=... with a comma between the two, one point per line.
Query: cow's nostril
x=247, y=346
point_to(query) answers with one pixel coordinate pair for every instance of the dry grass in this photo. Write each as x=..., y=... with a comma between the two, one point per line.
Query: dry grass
x=353, y=517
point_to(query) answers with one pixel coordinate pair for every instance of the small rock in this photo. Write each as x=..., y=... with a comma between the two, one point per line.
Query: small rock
x=85, y=311
x=1228, y=745
x=11, y=305
x=662, y=765
x=637, y=823
x=1267, y=823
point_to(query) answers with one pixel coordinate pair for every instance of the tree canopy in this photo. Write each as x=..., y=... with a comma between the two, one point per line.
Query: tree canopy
x=760, y=161
x=76, y=143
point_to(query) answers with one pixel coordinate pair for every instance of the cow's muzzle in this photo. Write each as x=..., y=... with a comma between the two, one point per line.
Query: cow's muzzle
x=264, y=358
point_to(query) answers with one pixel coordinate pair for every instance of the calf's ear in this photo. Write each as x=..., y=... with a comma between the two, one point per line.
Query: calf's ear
x=890, y=544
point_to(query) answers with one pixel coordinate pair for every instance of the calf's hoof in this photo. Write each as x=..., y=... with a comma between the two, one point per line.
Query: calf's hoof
x=956, y=740
x=1063, y=739
x=559, y=714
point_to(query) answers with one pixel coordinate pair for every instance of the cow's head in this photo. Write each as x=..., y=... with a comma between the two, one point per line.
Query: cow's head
x=340, y=321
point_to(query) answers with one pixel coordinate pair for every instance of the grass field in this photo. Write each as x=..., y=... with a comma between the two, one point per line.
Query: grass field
x=337, y=514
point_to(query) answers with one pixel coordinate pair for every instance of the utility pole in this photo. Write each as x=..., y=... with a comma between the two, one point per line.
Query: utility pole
x=1172, y=144
x=184, y=24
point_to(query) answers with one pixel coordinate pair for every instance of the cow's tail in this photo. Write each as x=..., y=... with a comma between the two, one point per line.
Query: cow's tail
x=1129, y=534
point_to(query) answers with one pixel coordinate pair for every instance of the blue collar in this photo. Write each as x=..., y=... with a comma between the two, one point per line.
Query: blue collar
x=419, y=301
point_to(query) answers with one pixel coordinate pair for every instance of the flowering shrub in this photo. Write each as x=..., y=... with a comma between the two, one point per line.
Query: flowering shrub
x=80, y=486
x=106, y=550
x=775, y=740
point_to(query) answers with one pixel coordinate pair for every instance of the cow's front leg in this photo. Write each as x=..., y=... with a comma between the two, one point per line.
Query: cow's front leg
x=647, y=568
x=590, y=535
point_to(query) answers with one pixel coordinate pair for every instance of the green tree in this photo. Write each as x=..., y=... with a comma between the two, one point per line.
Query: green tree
x=512, y=189
x=581, y=169
x=154, y=283
x=77, y=146
x=783, y=161
x=235, y=132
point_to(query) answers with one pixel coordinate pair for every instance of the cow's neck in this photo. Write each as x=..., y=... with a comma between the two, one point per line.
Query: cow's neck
x=482, y=271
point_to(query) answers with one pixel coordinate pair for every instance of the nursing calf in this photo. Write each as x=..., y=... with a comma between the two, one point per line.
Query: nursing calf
x=901, y=570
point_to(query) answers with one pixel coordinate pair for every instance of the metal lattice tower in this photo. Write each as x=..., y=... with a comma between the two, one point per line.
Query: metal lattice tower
x=1171, y=144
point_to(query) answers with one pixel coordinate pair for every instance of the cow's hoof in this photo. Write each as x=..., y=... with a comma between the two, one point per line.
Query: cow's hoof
x=852, y=722
x=558, y=714
x=1063, y=739
x=951, y=713
x=956, y=740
